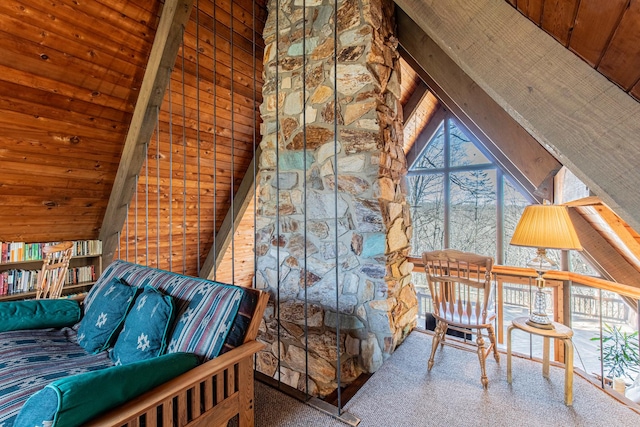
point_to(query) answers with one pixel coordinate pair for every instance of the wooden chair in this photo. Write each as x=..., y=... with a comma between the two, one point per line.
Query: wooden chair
x=460, y=286
x=54, y=270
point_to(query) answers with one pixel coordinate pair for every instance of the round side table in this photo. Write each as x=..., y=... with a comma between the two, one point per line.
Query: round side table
x=559, y=331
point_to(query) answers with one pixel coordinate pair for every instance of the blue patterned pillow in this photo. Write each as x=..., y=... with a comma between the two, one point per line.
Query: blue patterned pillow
x=146, y=328
x=105, y=314
x=204, y=325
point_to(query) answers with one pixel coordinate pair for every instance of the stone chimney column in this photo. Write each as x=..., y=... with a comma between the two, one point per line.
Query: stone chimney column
x=377, y=303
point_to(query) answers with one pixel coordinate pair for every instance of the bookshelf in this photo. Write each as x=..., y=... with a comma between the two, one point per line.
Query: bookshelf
x=21, y=262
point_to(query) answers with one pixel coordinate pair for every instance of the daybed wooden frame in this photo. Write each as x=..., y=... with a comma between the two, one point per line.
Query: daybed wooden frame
x=208, y=395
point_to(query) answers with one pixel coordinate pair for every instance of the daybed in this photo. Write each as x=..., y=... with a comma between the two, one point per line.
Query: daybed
x=60, y=365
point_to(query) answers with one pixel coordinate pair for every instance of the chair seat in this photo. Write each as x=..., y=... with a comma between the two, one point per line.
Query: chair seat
x=465, y=320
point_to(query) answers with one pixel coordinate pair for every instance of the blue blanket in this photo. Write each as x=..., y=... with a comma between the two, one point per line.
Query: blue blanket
x=31, y=359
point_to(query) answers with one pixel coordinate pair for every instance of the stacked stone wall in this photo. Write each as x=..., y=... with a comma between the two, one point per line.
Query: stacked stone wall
x=371, y=296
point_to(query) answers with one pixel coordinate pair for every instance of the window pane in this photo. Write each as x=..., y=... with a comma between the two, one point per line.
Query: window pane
x=514, y=204
x=473, y=211
x=463, y=151
x=433, y=155
x=619, y=331
x=580, y=264
x=426, y=198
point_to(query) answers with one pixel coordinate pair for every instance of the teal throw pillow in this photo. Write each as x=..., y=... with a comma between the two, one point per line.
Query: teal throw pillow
x=38, y=314
x=146, y=328
x=103, y=318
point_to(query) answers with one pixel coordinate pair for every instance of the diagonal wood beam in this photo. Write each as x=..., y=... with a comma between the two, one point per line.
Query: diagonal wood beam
x=601, y=254
x=166, y=44
x=589, y=124
x=427, y=132
x=414, y=101
x=514, y=149
x=231, y=221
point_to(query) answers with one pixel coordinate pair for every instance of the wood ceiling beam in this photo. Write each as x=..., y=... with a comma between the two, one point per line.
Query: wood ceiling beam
x=231, y=221
x=414, y=101
x=589, y=124
x=601, y=254
x=175, y=14
x=512, y=147
x=427, y=132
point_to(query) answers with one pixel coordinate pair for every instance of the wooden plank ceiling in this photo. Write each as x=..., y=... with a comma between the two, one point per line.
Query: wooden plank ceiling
x=606, y=34
x=67, y=93
x=70, y=73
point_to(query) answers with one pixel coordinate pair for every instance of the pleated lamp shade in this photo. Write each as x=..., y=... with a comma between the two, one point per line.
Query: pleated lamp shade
x=546, y=226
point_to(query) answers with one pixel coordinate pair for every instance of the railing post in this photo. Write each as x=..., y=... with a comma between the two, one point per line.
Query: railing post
x=500, y=308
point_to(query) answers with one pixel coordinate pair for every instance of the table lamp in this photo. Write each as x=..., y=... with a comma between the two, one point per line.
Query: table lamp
x=544, y=227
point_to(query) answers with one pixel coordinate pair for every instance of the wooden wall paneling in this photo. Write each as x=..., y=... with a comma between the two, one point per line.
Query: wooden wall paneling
x=558, y=17
x=222, y=28
x=621, y=60
x=532, y=9
x=594, y=26
x=242, y=113
x=242, y=26
x=232, y=221
x=243, y=148
x=222, y=77
x=166, y=43
x=223, y=49
x=410, y=107
x=408, y=81
x=426, y=134
x=242, y=256
x=27, y=231
x=207, y=108
x=635, y=91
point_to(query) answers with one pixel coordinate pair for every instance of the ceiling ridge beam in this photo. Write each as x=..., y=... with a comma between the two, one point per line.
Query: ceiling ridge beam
x=587, y=123
x=173, y=20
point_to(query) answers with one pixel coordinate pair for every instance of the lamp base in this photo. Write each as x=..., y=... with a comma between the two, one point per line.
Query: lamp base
x=535, y=324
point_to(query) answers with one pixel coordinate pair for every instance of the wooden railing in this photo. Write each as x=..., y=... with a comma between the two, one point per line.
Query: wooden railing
x=563, y=303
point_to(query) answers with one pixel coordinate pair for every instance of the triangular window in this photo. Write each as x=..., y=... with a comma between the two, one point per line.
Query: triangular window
x=455, y=189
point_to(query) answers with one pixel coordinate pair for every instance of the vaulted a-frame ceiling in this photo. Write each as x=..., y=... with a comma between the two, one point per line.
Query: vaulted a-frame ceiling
x=71, y=72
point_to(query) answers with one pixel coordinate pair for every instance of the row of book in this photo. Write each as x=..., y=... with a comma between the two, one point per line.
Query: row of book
x=21, y=251
x=17, y=281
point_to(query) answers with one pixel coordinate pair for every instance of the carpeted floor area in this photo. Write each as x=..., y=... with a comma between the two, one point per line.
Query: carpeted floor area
x=403, y=393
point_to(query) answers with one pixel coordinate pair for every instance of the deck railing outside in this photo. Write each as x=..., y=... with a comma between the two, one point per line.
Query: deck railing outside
x=586, y=304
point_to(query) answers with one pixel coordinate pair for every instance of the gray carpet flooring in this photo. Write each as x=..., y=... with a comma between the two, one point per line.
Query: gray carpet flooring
x=402, y=393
